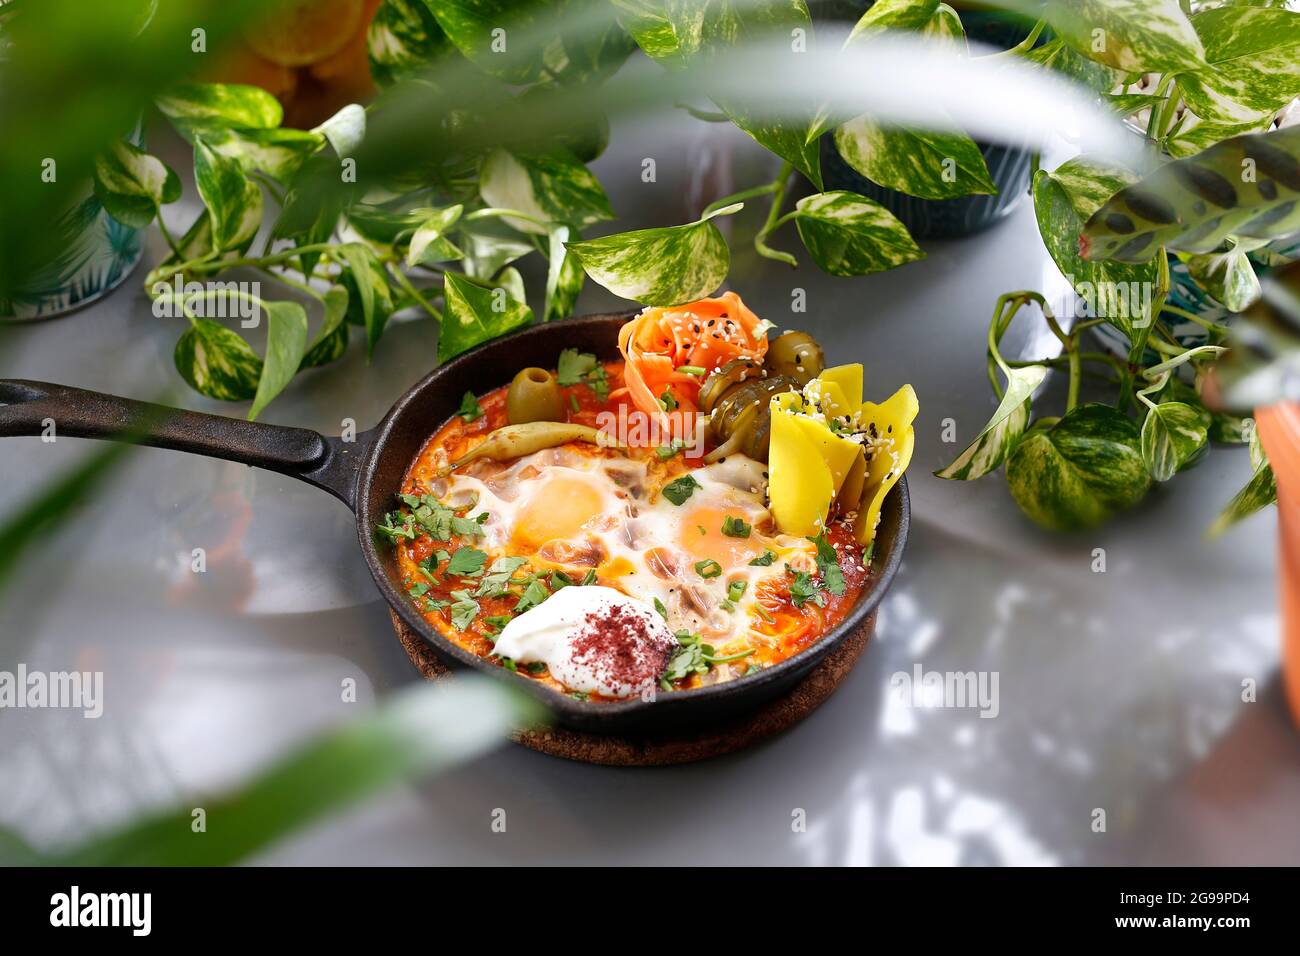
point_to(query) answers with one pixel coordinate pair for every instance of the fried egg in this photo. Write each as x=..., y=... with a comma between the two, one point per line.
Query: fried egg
x=579, y=509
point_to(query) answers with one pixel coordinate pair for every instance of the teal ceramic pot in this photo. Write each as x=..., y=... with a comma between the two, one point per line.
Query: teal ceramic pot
x=1187, y=295
x=97, y=254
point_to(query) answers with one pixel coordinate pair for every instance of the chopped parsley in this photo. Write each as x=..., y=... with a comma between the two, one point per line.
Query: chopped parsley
x=535, y=667
x=534, y=594
x=664, y=452
x=693, y=657
x=574, y=366
x=397, y=527
x=764, y=560
x=560, y=580
x=466, y=561
x=497, y=580
x=678, y=491
x=469, y=409
x=577, y=368
x=804, y=589
x=828, y=563
x=463, y=611
x=734, y=527
x=708, y=568
x=495, y=623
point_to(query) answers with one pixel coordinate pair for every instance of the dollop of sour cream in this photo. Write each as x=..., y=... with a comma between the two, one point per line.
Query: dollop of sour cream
x=592, y=639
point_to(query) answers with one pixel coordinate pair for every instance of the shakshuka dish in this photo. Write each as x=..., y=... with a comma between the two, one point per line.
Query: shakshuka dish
x=694, y=512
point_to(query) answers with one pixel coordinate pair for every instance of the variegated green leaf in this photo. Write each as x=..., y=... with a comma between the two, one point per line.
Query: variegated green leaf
x=132, y=185
x=370, y=300
x=1252, y=64
x=564, y=276
x=1008, y=423
x=475, y=315
x=551, y=187
x=1126, y=104
x=1135, y=36
x=279, y=153
x=665, y=266
x=491, y=35
x=403, y=38
x=930, y=165
x=1247, y=187
x=489, y=246
x=345, y=129
x=1192, y=134
x=286, y=344
x=194, y=106
x=428, y=243
x=217, y=362
x=1228, y=276
x=332, y=339
x=990, y=447
x=677, y=32
x=1174, y=436
x=893, y=15
x=849, y=235
x=1063, y=200
x=1080, y=471
x=945, y=29
x=234, y=201
x=1259, y=493
x=1056, y=56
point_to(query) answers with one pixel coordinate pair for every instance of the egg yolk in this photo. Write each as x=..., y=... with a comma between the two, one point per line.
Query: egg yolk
x=558, y=509
x=701, y=535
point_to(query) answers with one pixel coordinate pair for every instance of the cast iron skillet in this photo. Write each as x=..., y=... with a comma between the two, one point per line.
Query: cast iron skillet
x=365, y=474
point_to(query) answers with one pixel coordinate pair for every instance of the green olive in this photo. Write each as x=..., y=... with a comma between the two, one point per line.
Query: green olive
x=796, y=354
x=534, y=396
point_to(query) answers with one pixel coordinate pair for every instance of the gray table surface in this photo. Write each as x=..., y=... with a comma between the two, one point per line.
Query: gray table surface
x=1118, y=690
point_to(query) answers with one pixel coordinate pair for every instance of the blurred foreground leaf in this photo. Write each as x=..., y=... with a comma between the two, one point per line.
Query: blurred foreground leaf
x=417, y=731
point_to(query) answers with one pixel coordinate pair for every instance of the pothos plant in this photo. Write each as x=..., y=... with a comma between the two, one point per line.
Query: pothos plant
x=446, y=239
x=1214, y=189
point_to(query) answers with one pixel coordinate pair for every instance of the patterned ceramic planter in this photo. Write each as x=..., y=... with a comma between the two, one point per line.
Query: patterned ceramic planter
x=97, y=254
x=942, y=218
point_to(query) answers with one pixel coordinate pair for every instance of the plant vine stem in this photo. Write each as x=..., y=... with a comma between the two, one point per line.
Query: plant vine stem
x=503, y=213
x=166, y=234
x=276, y=258
x=1193, y=317
x=779, y=186
x=292, y=283
x=1140, y=344
x=1028, y=42
x=1155, y=121
x=740, y=197
x=414, y=293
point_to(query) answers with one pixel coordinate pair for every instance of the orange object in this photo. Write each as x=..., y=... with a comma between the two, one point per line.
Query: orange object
x=705, y=334
x=303, y=32
x=312, y=57
x=1279, y=432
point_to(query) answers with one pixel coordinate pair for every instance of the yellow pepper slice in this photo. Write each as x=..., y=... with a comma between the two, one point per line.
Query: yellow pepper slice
x=890, y=452
x=799, y=483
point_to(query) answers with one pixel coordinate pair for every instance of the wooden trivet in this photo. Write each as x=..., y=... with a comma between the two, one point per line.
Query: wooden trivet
x=659, y=751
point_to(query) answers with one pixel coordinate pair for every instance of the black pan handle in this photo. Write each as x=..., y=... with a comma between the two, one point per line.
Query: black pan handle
x=28, y=408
